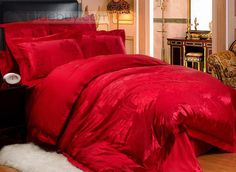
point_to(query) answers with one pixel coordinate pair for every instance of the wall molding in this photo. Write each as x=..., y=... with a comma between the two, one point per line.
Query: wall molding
x=171, y=20
x=130, y=46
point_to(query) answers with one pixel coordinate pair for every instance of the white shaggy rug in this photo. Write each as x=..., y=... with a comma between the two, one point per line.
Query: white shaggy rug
x=31, y=158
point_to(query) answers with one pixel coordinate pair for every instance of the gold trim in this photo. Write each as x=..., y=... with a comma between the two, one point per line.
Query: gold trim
x=184, y=50
x=189, y=12
x=209, y=52
x=205, y=62
x=180, y=54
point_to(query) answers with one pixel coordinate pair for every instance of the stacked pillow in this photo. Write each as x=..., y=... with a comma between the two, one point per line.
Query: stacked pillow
x=42, y=45
x=16, y=30
x=101, y=45
x=40, y=58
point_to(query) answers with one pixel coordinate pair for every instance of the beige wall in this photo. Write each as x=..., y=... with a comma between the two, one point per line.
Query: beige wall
x=219, y=25
x=144, y=27
x=107, y=23
x=93, y=4
x=224, y=24
x=174, y=10
x=230, y=22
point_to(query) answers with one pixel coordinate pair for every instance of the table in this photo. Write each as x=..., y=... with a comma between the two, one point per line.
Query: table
x=179, y=47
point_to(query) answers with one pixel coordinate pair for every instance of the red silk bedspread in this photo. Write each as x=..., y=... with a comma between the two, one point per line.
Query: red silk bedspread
x=131, y=113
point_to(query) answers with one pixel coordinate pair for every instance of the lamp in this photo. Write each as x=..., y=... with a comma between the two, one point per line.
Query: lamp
x=118, y=7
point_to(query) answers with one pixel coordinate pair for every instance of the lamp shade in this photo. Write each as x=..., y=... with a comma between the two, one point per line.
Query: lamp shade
x=118, y=6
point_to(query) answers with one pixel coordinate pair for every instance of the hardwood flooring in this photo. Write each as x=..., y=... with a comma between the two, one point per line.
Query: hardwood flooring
x=223, y=162
x=7, y=169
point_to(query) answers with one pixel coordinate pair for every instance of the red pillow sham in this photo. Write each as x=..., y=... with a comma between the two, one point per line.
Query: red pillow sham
x=74, y=34
x=40, y=28
x=13, y=44
x=27, y=29
x=8, y=57
x=101, y=45
x=118, y=32
x=40, y=58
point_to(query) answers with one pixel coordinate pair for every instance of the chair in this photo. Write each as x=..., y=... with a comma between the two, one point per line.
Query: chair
x=223, y=65
x=194, y=58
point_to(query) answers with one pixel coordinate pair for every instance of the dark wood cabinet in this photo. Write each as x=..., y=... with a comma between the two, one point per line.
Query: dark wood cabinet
x=179, y=47
x=176, y=51
x=12, y=115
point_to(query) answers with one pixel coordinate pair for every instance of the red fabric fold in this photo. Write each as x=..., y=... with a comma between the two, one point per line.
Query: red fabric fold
x=131, y=112
x=54, y=104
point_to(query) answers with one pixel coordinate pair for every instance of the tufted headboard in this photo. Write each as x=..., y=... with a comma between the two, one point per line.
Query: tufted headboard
x=18, y=10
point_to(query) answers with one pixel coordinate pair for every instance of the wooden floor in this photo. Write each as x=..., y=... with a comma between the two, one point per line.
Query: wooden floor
x=210, y=163
x=7, y=169
x=218, y=162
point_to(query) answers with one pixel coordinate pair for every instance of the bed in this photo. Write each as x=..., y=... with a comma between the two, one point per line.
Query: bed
x=106, y=110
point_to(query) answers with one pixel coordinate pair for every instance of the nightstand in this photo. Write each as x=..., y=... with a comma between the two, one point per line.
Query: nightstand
x=12, y=115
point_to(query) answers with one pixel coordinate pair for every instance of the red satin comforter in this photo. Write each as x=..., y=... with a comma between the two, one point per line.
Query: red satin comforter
x=131, y=113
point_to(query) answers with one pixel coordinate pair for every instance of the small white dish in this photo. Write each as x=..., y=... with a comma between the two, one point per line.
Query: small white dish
x=12, y=78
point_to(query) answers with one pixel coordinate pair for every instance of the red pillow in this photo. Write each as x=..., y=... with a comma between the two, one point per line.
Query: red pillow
x=27, y=29
x=81, y=24
x=14, y=49
x=101, y=45
x=41, y=57
x=74, y=34
x=118, y=32
x=40, y=28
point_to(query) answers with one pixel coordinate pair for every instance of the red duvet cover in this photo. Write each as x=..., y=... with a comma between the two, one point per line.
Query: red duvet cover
x=131, y=113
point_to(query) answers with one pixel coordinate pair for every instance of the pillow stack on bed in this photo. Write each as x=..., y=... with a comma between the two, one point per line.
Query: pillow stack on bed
x=35, y=48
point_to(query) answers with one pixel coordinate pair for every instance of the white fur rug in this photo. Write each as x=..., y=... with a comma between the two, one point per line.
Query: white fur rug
x=31, y=158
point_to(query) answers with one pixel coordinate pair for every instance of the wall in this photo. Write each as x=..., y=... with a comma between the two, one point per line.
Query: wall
x=175, y=24
x=224, y=24
x=144, y=27
x=230, y=22
x=219, y=25
x=93, y=4
x=108, y=23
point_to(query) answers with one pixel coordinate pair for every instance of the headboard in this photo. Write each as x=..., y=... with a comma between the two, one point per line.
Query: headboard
x=23, y=10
